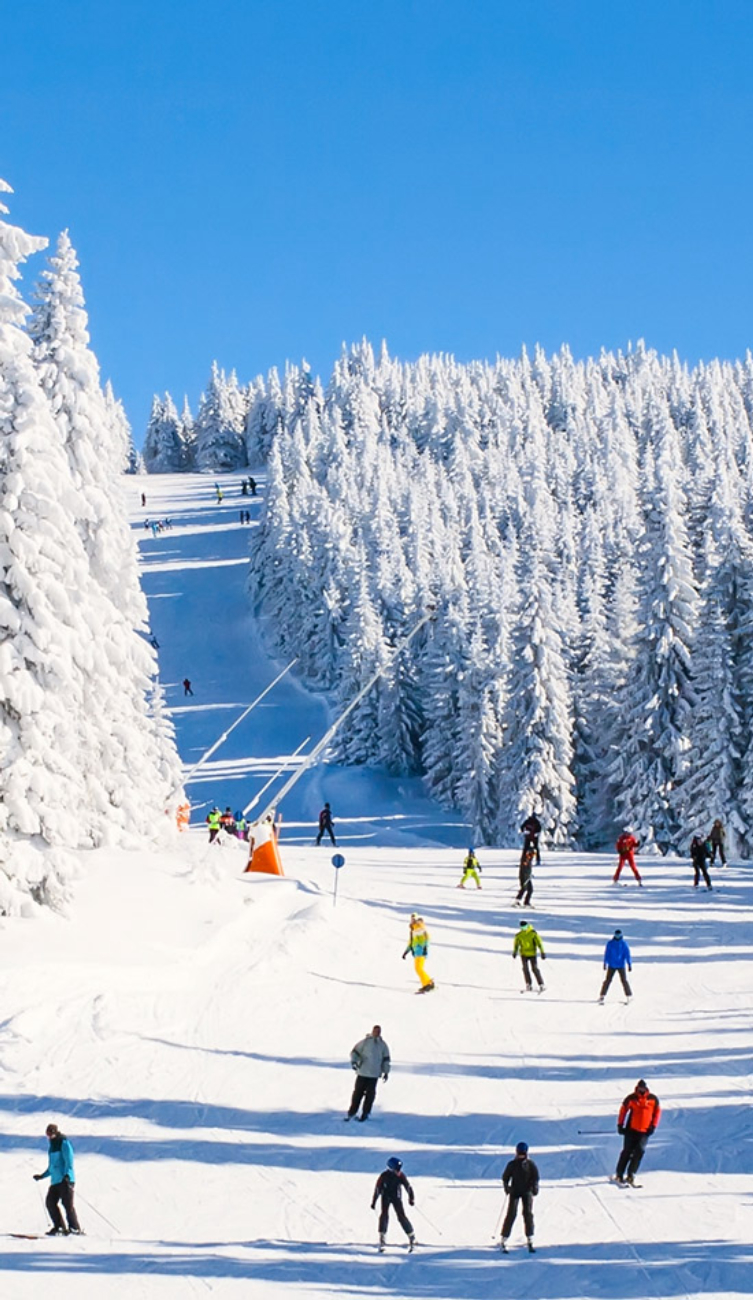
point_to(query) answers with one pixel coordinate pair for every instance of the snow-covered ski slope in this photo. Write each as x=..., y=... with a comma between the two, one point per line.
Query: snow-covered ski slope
x=190, y=1030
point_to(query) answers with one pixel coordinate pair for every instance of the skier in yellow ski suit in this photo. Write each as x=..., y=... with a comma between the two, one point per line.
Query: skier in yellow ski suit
x=418, y=945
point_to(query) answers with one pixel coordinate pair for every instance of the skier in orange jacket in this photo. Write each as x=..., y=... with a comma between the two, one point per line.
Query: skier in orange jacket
x=639, y=1115
x=626, y=846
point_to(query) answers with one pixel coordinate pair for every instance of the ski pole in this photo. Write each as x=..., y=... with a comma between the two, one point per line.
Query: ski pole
x=595, y=1132
x=428, y=1220
x=102, y=1216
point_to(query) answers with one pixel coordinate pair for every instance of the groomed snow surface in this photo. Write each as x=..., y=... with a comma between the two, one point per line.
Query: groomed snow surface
x=189, y=1028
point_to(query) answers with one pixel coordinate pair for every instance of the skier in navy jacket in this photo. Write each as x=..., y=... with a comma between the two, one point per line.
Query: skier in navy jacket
x=389, y=1190
x=62, y=1177
x=616, y=958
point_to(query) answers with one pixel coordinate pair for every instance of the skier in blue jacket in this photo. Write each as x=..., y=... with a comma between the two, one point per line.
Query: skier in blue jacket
x=62, y=1178
x=616, y=958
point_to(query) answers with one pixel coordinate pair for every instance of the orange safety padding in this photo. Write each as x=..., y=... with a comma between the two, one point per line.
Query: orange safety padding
x=266, y=857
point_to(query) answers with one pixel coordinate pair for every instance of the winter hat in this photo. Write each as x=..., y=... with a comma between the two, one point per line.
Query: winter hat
x=522, y=1149
x=618, y=934
x=641, y=1086
x=471, y=849
x=394, y=1164
x=523, y=924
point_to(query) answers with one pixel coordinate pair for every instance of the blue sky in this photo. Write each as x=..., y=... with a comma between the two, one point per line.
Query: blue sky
x=261, y=180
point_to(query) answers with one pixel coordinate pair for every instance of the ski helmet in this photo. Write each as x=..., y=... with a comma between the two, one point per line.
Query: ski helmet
x=471, y=849
x=618, y=934
x=394, y=1164
x=522, y=1149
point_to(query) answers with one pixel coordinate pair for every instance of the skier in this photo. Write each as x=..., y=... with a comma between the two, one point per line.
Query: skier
x=717, y=838
x=527, y=942
x=389, y=1187
x=252, y=485
x=616, y=958
x=626, y=846
x=521, y=1183
x=700, y=852
x=531, y=828
x=325, y=824
x=215, y=825
x=638, y=1118
x=154, y=643
x=187, y=686
x=525, y=876
x=62, y=1180
x=471, y=869
x=219, y=496
x=418, y=946
x=371, y=1061
x=143, y=498
x=227, y=822
x=244, y=487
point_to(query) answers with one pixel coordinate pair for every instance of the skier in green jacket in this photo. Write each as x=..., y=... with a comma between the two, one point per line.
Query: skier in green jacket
x=527, y=943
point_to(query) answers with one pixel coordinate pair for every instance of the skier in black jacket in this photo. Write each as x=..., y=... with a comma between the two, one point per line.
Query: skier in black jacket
x=389, y=1186
x=700, y=853
x=531, y=828
x=521, y=1183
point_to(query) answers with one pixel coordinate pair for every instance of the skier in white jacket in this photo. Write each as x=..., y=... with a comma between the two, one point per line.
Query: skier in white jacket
x=371, y=1061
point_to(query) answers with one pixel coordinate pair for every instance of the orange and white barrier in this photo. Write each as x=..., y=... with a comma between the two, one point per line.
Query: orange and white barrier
x=263, y=853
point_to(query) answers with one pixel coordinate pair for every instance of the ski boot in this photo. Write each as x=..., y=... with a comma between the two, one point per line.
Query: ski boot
x=630, y=1180
x=57, y=1232
x=411, y=1242
x=531, y=1247
x=503, y=1246
x=381, y=1243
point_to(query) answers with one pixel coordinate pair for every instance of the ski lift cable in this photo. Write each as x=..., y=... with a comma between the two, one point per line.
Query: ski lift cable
x=326, y=738
x=237, y=722
x=273, y=778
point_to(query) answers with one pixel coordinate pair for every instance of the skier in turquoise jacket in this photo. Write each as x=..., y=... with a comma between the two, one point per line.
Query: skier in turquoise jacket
x=62, y=1177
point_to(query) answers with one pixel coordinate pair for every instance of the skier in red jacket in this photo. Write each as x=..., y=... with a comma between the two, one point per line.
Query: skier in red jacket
x=626, y=846
x=639, y=1115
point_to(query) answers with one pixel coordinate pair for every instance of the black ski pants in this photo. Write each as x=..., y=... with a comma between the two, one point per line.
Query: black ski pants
x=611, y=972
x=633, y=1151
x=329, y=831
x=531, y=964
x=525, y=891
x=402, y=1217
x=526, y=1200
x=62, y=1192
x=699, y=869
x=717, y=844
x=365, y=1090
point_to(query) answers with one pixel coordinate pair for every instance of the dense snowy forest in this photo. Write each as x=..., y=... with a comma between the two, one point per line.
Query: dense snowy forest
x=87, y=755
x=582, y=531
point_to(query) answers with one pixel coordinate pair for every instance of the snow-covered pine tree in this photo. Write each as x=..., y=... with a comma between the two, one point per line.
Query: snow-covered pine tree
x=220, y=425
x=164, y=445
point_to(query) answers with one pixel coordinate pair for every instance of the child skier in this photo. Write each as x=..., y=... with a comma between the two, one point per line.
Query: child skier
x=639, y=1115
x=616, y=958
x=418, y=946
x=626, y=846
x=389, y=1187
x=525, y=876
x=527, y=942
x=521, y=1183
x=700, y=853
x=471, y=869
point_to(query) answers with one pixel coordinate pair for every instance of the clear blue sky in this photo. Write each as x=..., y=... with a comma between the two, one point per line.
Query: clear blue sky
x=257, y=180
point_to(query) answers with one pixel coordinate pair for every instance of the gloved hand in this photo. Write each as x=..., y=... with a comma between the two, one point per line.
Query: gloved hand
x=385, y=1077
x=354, y=1067
x=630, y=969
x=621, y=1130
x=411, y=1200
x=66, y=1180
x=405, y=954
x=36, y=1177
x=373, y=1205
x=543, y=956
x=649, y=1131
